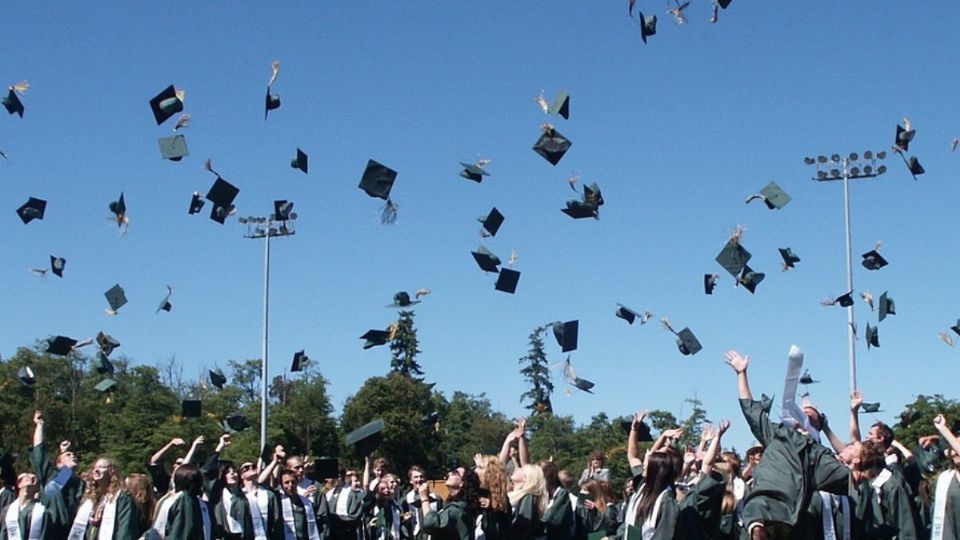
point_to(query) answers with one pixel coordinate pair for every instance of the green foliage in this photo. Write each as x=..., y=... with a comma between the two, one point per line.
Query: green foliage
x=469, y=425
x=926, y=408
x=693, y=424
x=404, y=345
x=537, y=372
x=661, y=420
x=302, y=414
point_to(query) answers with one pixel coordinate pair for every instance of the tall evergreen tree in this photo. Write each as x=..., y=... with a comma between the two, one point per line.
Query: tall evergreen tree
x=537, y=373
x=404, y=347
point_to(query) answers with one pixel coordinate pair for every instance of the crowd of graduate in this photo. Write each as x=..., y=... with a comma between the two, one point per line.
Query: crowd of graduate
x=790, y=485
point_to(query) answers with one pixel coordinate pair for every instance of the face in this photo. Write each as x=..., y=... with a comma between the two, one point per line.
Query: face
x=67, y=459
x=248, y=472
x=384, y=491
x=231, y=477
x=28, y=482
x=849, y=456
x=289, y=484
x=874, y=435
x=596, y=463
x=101, y=471
x=516, y=478
x=453, y=483
x=416, y=478
x=354, y=480
x=393, y=483
x=954, y=458
x=296, y=464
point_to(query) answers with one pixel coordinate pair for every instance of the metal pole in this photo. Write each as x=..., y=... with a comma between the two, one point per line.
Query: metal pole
x=266, y=333
x=851, y=325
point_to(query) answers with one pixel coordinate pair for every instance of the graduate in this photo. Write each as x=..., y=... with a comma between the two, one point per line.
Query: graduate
x=27, y=517
x=299, y=518
x=558, y=518
x=528, y=499
x=945, y=518
x=221, y=484
x=343, y=511
x=107, y=511
x=159, y=475
x=412, y=502
x=188, y=516
x=493, y=523
x=883, y=500
x=385, y=517
x=595, y=510
x=56, y=476
x=8, y=481
x=456, y=520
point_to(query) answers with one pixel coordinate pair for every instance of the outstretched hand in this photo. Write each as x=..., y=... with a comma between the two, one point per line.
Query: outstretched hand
x=37, y=417
x=856, y=400
x=722, y=427
x=638, y=419
x=737, y=362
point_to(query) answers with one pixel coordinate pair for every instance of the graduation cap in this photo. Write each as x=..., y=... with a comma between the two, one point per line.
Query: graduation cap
x=190, y=408
x=733, y=257
x=375, y=338
x=643, y=433
x=165, y=304
x=908, y=417
x=324, y=468
x=102, y=364
x=474, y=172
x=300, y=359
x=914, y=166
x=32, y=209
x=845, y=300
x=627, y=314
x=221, y=194
x=492, y=222
x=571, y=376
x=13, y=104
x=56, y=265
x=217, y=378
x=173, y=148
x=566, y=334
x=870, y=407
x=589, y=206
x=507, y=280
x=561, y=105
x=551, y=145
x=402, y=299
x=886, y=306
x=235, y=423
x=648, y=26
x=196, y=203
x=485, y=258
x=789, y=258
x=26, y=376
x=873, y=338
x=271, y=102
x=956, y=328
x=772, y=195
x=60, y=345
x=283, y=210
x=872, y=260
x=106, y=343
x=687, y=342
x=709, y=282
x=116, y=298
x=119, y=210
x=806, y=378
x=431, y=421
x=366, y=438
x=904, y=136
x=377, y=180
x=750, y=279
x=166, y=104
x=300, y=162
x=106, y=385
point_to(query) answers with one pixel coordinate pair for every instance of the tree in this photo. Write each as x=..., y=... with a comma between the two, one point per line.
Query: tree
x=246, y=376
x=404, y=347
x=693, y=425
x=467, y=425
x=302, y=414
x=553, y=437
x=661, y=420
x=924, y=409
x=537, y=372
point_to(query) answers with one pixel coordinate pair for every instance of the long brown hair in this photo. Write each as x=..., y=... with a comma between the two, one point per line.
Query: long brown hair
x=660, y=474
x=600, y=492
x=495, y=481
x=141, y=491
x=114, y=485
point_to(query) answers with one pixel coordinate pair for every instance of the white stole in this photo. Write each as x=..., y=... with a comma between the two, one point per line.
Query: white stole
x=878, y=482
x=12, y=520
x=829, y=530
x=478, y=532
x=944, y=481
x=259, y=505
x=233, y=526
x=650, y=524
x=160, y=514
x=290, y=529
x=343, y=501
x=395, y=526
x=790, y=412
x=107, y=520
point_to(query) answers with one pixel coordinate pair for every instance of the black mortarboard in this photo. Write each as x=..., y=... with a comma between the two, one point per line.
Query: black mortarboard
x=845, y=300
x=235, y=423
x=324, y=468
x=643, y=431
x=60, y=345
x=872, y=260
x=626, y=313
x=571, y=376
x=903, y=138
x=102, y=364
x=916, y=169
x=221, y=194
x=217, y=378
x=106, y=343
x=190, y=408
x=561, y=105
x=552, y=145
x=687, y=342
x=57, y=265
x=375, y=338
x=750, y=279
x=648, y=26
x=283, y=210
x=806, y=378
x=116, y=297
x=366, y=438
x=733, y=258
x=26, y=376
x=789, y=258
x=270, y=103
x=105, y=385
x=402, y=299
x=566, y=334
x=956, y=328
x=119, y=209
x=870, y=407
x=492, y=222
x=173, y=148
x=377, y=180
x=886, y=306
x=300, y=162
x=873, y=338
x=300, y=359
x=507, y=280
x=266, y=455
x=485, y=258
x=774, y=196
x=578, y=210
x=165, y=104
x=431, y=420
x=32, y=209
x=709, y=282
x=196, y=203
x=13, y=104
x=473, y=172
x=164, y=305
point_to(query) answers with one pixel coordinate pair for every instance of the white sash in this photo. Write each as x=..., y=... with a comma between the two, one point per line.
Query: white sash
x=290, y=529
x=79, y=527
x=109, y=518
x=827, y=504
x=478, y=532
x=343, y=501
x=233, y=526
x=259, y=506
x=205, y=516
x=940, y=503
x=160, y=515
x=879, y=481
x=13, y=521
x=650, y=524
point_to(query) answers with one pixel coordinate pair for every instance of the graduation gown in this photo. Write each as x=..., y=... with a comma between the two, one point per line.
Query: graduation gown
x=895, y=516
x=25, y=521
x=412, y=504
x=452, y=522
x=389, y=523
x=526, y=524
x=951, y=515
x=126, y=525
x=558, y=519
x=71, y=492
x=593, y=520
x=7, y=496
x=240, y=511
x=495, y=525
x=349, y=524
x=185, y=519
x=668, y=523
x=793, y=467
x=700, y=510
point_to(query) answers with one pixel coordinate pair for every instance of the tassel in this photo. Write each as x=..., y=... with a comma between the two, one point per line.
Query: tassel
x=276, y=71
x=388, y=216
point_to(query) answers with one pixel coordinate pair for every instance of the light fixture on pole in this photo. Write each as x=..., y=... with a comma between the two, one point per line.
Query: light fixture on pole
x=852, y=167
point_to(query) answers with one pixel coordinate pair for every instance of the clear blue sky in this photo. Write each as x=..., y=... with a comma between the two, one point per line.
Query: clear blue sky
x=677, y=133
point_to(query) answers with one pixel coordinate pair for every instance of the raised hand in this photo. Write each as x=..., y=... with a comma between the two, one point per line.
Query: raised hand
x=737, y=362
x=856, y=400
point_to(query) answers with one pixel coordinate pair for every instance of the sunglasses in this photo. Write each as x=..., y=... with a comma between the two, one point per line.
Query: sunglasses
x=246, y=467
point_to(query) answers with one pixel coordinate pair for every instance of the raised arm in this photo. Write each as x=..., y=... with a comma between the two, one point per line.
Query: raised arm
x=633, y=449
x=835, y=441
x=714, y=448
x=739, y=365
x=504, y=455
x=941, y=424
x=523, y=453
x=188, y=459
x=158, y=457
x=266, y=475
x=38, y=428
x=366, y=473
x=855, y=401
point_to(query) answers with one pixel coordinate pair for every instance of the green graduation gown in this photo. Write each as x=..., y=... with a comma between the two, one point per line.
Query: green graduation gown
x=452, y=522
x=526, y=524
x=558, y=518
x=184, y=519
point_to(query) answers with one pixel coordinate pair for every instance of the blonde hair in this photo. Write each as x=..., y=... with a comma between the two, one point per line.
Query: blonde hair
x=141, y=491
x=534, y=485
x=114, y=485
x=495, y=480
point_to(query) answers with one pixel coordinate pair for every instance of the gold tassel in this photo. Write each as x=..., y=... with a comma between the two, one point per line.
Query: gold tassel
x=21, y=87
x=276, y=71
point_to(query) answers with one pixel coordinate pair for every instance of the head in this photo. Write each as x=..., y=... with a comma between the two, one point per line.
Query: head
x=566, y=479
x=295, y=464
x=353, y=480
x=733, y=461
x=551, y=475
x=249, y=472
x=528, y=480
x=289, y=479
x=596, y=460
x=850, y=455
x=141, y=491
x=384, y=493
x=660, y=474
x=493, y=477
x=453, y=482
x=754, y=455
x=953, y=457
x=187, y=478
x=104, y=477
x=177, y=463
x=66, y=459
x=814, y=416
x=871, y=459
x=228, y=473
x=415, y=476
x=380, y=467
x=469, y=485
x=881, y=433
x=392, y=482
x=628, y=489
x=27, y=485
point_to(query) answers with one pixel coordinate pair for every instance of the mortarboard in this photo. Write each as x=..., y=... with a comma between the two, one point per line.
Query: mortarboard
x=26, y=376
x=474, y=172
x=60, y=345
x=165, y=304
x=485, y=258
x=106, y=343
x=643, y=432
x=300, y=162
x=956, y=328
x=283, y=210
x=375, y=338
x=116, y=298
x=789, y=258
x=377, y=180
x=571, y=376
x=774, y=196
x=806, y=378
x=687, y=342
x=908, y=417
x=221, y=194
x=872, y=260
x=914, y=166
x=32, y=209
x=56, y=265
x=324, y=468
x=105, y=385
x=566, y=334
x=845, y=300
x=271, y=102
x=235, y=423
x=551, y=145
x=300, y=359
x=119, y=209
x=733, y=258
x=709, y=282
x=870, y=407
x=561, y=105
x=903, y=138
x=13, y=104
x=165, y=104
x=366, y=438
x=648, y=26
x=173, y=148
x=196, y=203
x=873, y=338
x=578, y=210
x=627, y=314
x=431, y=420
x=886, y=306
x=402, y=299
x=750, y=279
x=217, y=378
x=507, y=280
x=190, y=408
x=492, y=222
x=102, y=364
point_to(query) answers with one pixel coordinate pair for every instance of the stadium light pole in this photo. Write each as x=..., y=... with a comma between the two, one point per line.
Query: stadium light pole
x=266, y=228
x=852, y=167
